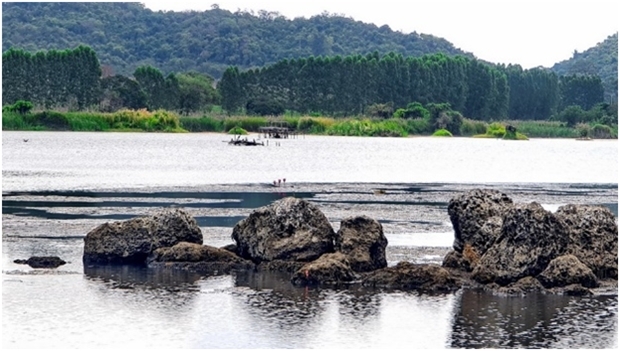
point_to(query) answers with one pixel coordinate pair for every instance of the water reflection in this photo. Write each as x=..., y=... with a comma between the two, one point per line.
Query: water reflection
x=482, y=320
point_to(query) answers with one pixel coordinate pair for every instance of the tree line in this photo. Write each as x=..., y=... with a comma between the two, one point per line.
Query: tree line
x=358, y=84
x=73, y=79
x=372, y=85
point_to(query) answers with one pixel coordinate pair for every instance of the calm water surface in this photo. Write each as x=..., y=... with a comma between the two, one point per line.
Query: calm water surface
x=56, y=186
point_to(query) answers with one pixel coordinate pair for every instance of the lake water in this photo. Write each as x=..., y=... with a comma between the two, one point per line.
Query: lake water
x=57, y=186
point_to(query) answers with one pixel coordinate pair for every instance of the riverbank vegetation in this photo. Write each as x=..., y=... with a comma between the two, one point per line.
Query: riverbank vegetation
x=166, y=121
x=356, y=95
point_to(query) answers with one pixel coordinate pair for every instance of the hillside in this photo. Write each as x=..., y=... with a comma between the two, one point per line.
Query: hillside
x=601, y=60
x=127, y=35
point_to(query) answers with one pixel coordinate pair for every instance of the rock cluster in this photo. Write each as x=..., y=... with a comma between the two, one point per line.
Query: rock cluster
x=498, y=245
x=514, y=243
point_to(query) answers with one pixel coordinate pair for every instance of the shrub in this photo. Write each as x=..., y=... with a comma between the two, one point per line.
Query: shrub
x=470, y=127
x=202, y=124
x=600, y=131
x=238, y=131
x=20, y=106
x=442, y=133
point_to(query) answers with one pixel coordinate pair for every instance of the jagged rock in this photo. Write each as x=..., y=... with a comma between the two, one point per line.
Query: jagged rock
x=409, y=276
x=132, y=241
x=362, y=241
x=288, y=229
x=230, y=247
x=476, y=217
x=530, y=238
x=593, y=237
x=576, y=290
x=197, y=257
x=567, y=270
x=42, y=261
x=329, y=269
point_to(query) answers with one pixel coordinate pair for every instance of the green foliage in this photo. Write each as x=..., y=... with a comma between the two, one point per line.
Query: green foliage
x=238, y=131
x=20, y=106
x=470, y=127
x=600, y=131
x=315, y=125
x=418, y=126
x=202, y=124
x=496, y=130
x=128, y=35
x=600, y=60
x=584, y=130
x=380, y=110
x=442, y=133
x=251, y=124
x=572, y=115
x=367, y=127
x=584, y=91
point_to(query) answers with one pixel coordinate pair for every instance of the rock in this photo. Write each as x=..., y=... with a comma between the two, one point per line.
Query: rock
x=280, y=266
x=42, y=262
x=409, y=276
x=329, y=269
x=288, y=229
x=230, y=247
x=132, y=241
x=476, y=217
x=593, y=235
x=567, y=270
x=519, y=288
x=576, y=290
x=362, y=241
x=530, y=238
x=197, y=257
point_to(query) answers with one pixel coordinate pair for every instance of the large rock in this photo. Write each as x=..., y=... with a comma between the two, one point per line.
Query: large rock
x=567, y=270
x=329, y=269
x=530, y=238
x=197, y=257
x=132, y=241
x=362, y=241
x=593, y=237
x=476, y=217
x=288, y=229
x=410, y=276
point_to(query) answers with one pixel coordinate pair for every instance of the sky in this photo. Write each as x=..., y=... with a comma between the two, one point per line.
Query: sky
x=530, y=33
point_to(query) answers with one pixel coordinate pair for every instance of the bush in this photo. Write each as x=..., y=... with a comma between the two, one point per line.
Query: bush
x=202, y=124
x=238, y=131
x=20, y=106
x=600, y=131
x=442, y=133
x=470, y=127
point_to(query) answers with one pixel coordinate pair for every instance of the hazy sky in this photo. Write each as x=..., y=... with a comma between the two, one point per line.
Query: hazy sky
x=526, y=32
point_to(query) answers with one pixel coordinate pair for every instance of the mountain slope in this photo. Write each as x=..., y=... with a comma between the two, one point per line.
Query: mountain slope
x=601, y=60
x=127, y=35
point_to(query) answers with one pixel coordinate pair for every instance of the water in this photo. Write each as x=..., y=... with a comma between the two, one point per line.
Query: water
x=58, y=186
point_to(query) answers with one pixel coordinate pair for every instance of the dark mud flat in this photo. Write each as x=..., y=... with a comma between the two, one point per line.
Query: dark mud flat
x=403, y=209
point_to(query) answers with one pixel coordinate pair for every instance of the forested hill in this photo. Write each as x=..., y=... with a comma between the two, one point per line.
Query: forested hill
x=128, y=35
x=600, y=60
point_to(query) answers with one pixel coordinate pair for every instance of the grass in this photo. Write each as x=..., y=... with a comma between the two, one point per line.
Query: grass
x=166, y=121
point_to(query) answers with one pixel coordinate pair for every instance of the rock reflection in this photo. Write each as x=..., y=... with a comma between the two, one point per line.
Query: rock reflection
x=356, y=305
x=273, y=293
x=131, y=277
x=482, y=320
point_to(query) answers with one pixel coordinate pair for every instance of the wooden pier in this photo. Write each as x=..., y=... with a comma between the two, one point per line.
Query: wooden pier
x=277, y=131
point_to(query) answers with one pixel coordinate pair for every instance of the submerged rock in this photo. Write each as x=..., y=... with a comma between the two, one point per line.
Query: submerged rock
x=329, y=269
x=197, y=257
x=288, y=229
x=132, y=241
x=42, y=261
x=410, y=276
x=362, y=241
